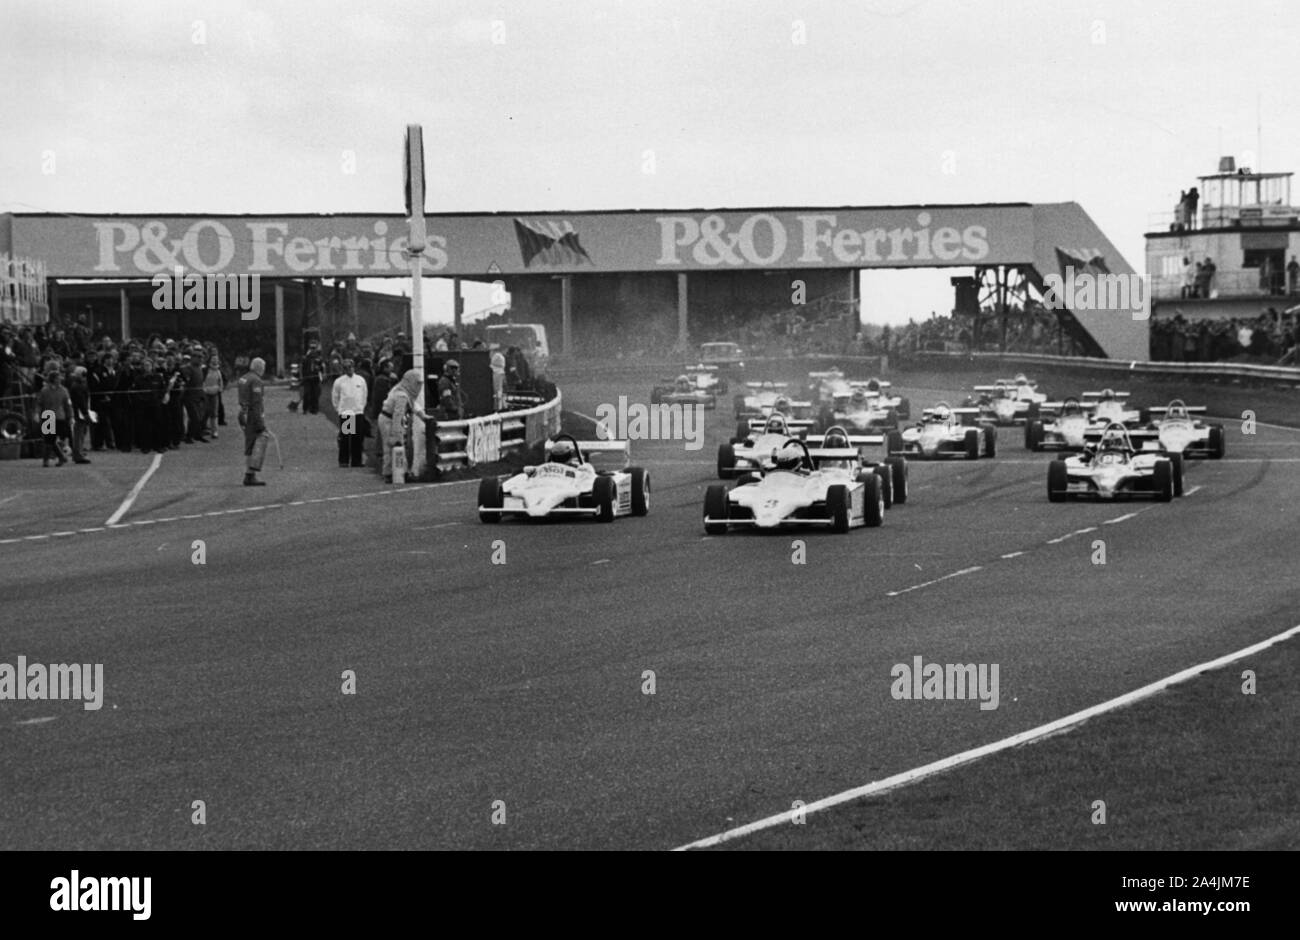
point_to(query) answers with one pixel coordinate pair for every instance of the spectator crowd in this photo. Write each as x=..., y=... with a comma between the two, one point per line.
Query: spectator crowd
x=1268, y=339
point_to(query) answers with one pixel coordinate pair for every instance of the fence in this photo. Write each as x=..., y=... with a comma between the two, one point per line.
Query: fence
x=491, y=437
x=1206, y=370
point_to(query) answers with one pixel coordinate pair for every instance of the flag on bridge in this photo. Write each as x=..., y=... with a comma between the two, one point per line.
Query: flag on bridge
x=554, y=243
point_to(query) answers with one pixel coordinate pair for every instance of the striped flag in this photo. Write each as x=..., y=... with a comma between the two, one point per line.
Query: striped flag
x=553, y=243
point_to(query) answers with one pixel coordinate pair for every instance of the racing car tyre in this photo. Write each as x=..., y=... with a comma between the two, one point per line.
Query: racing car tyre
x=882, y=474
x=742, y=432
x=1033, y=435
x=992, y=434
x=13, y=427
x=898, y=469
x=904, y=409
x=489, y=497
x=602, y=494
x=1164, y=480
x=873, y=505
x=1177, y=461
x=894, y=442
x=739, y=403
x=891, y=418
x=1058, y=481
x=726, y=461
x=1032, y=411
x=715, y=507
x=972, y=443
x=1144, y=416
x=640, y=491
x=837, y=503
x=1217, y=441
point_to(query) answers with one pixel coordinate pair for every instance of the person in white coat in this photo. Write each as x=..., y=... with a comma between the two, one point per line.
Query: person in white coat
x=349, y=399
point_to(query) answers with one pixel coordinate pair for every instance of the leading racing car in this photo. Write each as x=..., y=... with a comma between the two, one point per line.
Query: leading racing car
x=795, y=492
x=1114, y=469
x=567, y=484
x=942, y=433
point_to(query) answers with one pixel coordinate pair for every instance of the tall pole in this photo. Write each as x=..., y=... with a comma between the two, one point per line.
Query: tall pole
x=416, y=239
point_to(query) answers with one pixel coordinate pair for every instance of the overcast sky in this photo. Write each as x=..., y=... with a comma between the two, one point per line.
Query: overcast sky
x=553, y=104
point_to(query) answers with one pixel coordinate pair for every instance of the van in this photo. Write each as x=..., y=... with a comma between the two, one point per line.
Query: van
x=529, y=337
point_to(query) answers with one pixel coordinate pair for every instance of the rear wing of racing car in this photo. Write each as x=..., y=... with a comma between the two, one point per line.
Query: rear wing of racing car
x=1057, y=406
x=855, y=441
x=1190, y=409
x=818, y=454
x=759, y=386
x=1120, y=395
x=795, y=425
x=1141, y=438
x=608, y=451
x=832, y=374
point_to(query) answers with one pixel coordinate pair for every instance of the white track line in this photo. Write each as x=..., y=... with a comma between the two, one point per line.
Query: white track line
x=955, y=574
x=135, y=490
x=965, y=757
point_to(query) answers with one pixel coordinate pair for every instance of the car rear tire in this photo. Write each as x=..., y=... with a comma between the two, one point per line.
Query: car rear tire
x=882, y=474
x=640, y=491
x=726, y=461
x=972, y=443
x=742, y=431
x=991, y=433
x=739, y=403
x=1218, y=444
x=1032, y=411
x=489, y=497
x=1164, y=481
x=873, y=505
x=1176, y=461
x=837, y=504
x=715, y=507
x=1058, y=481
x=898, y=470
x=894, y=443
x=904, y=409
x=603, y=495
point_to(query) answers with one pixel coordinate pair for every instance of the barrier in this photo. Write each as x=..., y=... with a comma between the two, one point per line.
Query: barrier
x=1204, y=370
x=489, y=438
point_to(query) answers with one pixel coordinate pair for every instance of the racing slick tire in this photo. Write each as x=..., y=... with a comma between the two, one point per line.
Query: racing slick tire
x=1217, y=442
x=1033, y=435
x=873, y=505
x=738, y=403
x=1032, y=411
x=715, y=507
x=1176, y=461
x=1144, y=417
x=602, y=494
x=991, y=433
x=894, y=443
x=891, y=418
x=13, y=426
x=1058, y=481
x=898, y=470
x=904, y=409
x=886, y=483
x=742, y=432
x=489, y=497
x=972, y=443
x=640, y=491
x=1164, y=481
x=837, y=504
x=726, y=461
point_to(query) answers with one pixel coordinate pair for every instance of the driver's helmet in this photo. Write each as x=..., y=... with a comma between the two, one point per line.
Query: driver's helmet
x=1021, y=379
x=564, y=451
x=1112, y=441
x=941, y=413
x=789, y=457
x=1071, y=406
x=683, y=383
x=1177, y=410
x=859, y=396
x=1108, y=394
x=781, y=404
x=873, y=385
x=835, y=440
x=775, y=425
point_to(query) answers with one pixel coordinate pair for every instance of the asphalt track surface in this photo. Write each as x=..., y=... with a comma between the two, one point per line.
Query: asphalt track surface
x=524, y=683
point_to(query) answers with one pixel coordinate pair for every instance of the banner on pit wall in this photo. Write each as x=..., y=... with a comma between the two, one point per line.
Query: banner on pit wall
x=484, y=441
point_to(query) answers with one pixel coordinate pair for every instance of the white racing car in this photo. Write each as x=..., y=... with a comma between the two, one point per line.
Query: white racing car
x=1112, y=408
x=1114, y=469
x=1062, y=425
x=567, y=484
x=943, y=433
x=795, y=492
x=752, y=446
x=763, y=398
x=828, y=451
x=1180, y=433
x=1009, y=401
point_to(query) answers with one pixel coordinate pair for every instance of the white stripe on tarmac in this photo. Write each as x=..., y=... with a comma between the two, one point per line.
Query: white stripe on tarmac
x=917, y=587
x=135, y=490
x=965, y=757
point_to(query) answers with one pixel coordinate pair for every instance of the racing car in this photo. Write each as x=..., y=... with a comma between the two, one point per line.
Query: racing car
x=1111, y=409
x=944, y=432
x=567, y=484
x=1060, y=426
x=861, y=409
x=796, y=492
x=1180, y=433
x=683, y=391
x=827, y=453
x=763, y=398
x=1008, y=401
x=754, y=442
x=1112, y=468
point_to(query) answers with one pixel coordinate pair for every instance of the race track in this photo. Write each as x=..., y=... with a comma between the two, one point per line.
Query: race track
x=523, y=682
